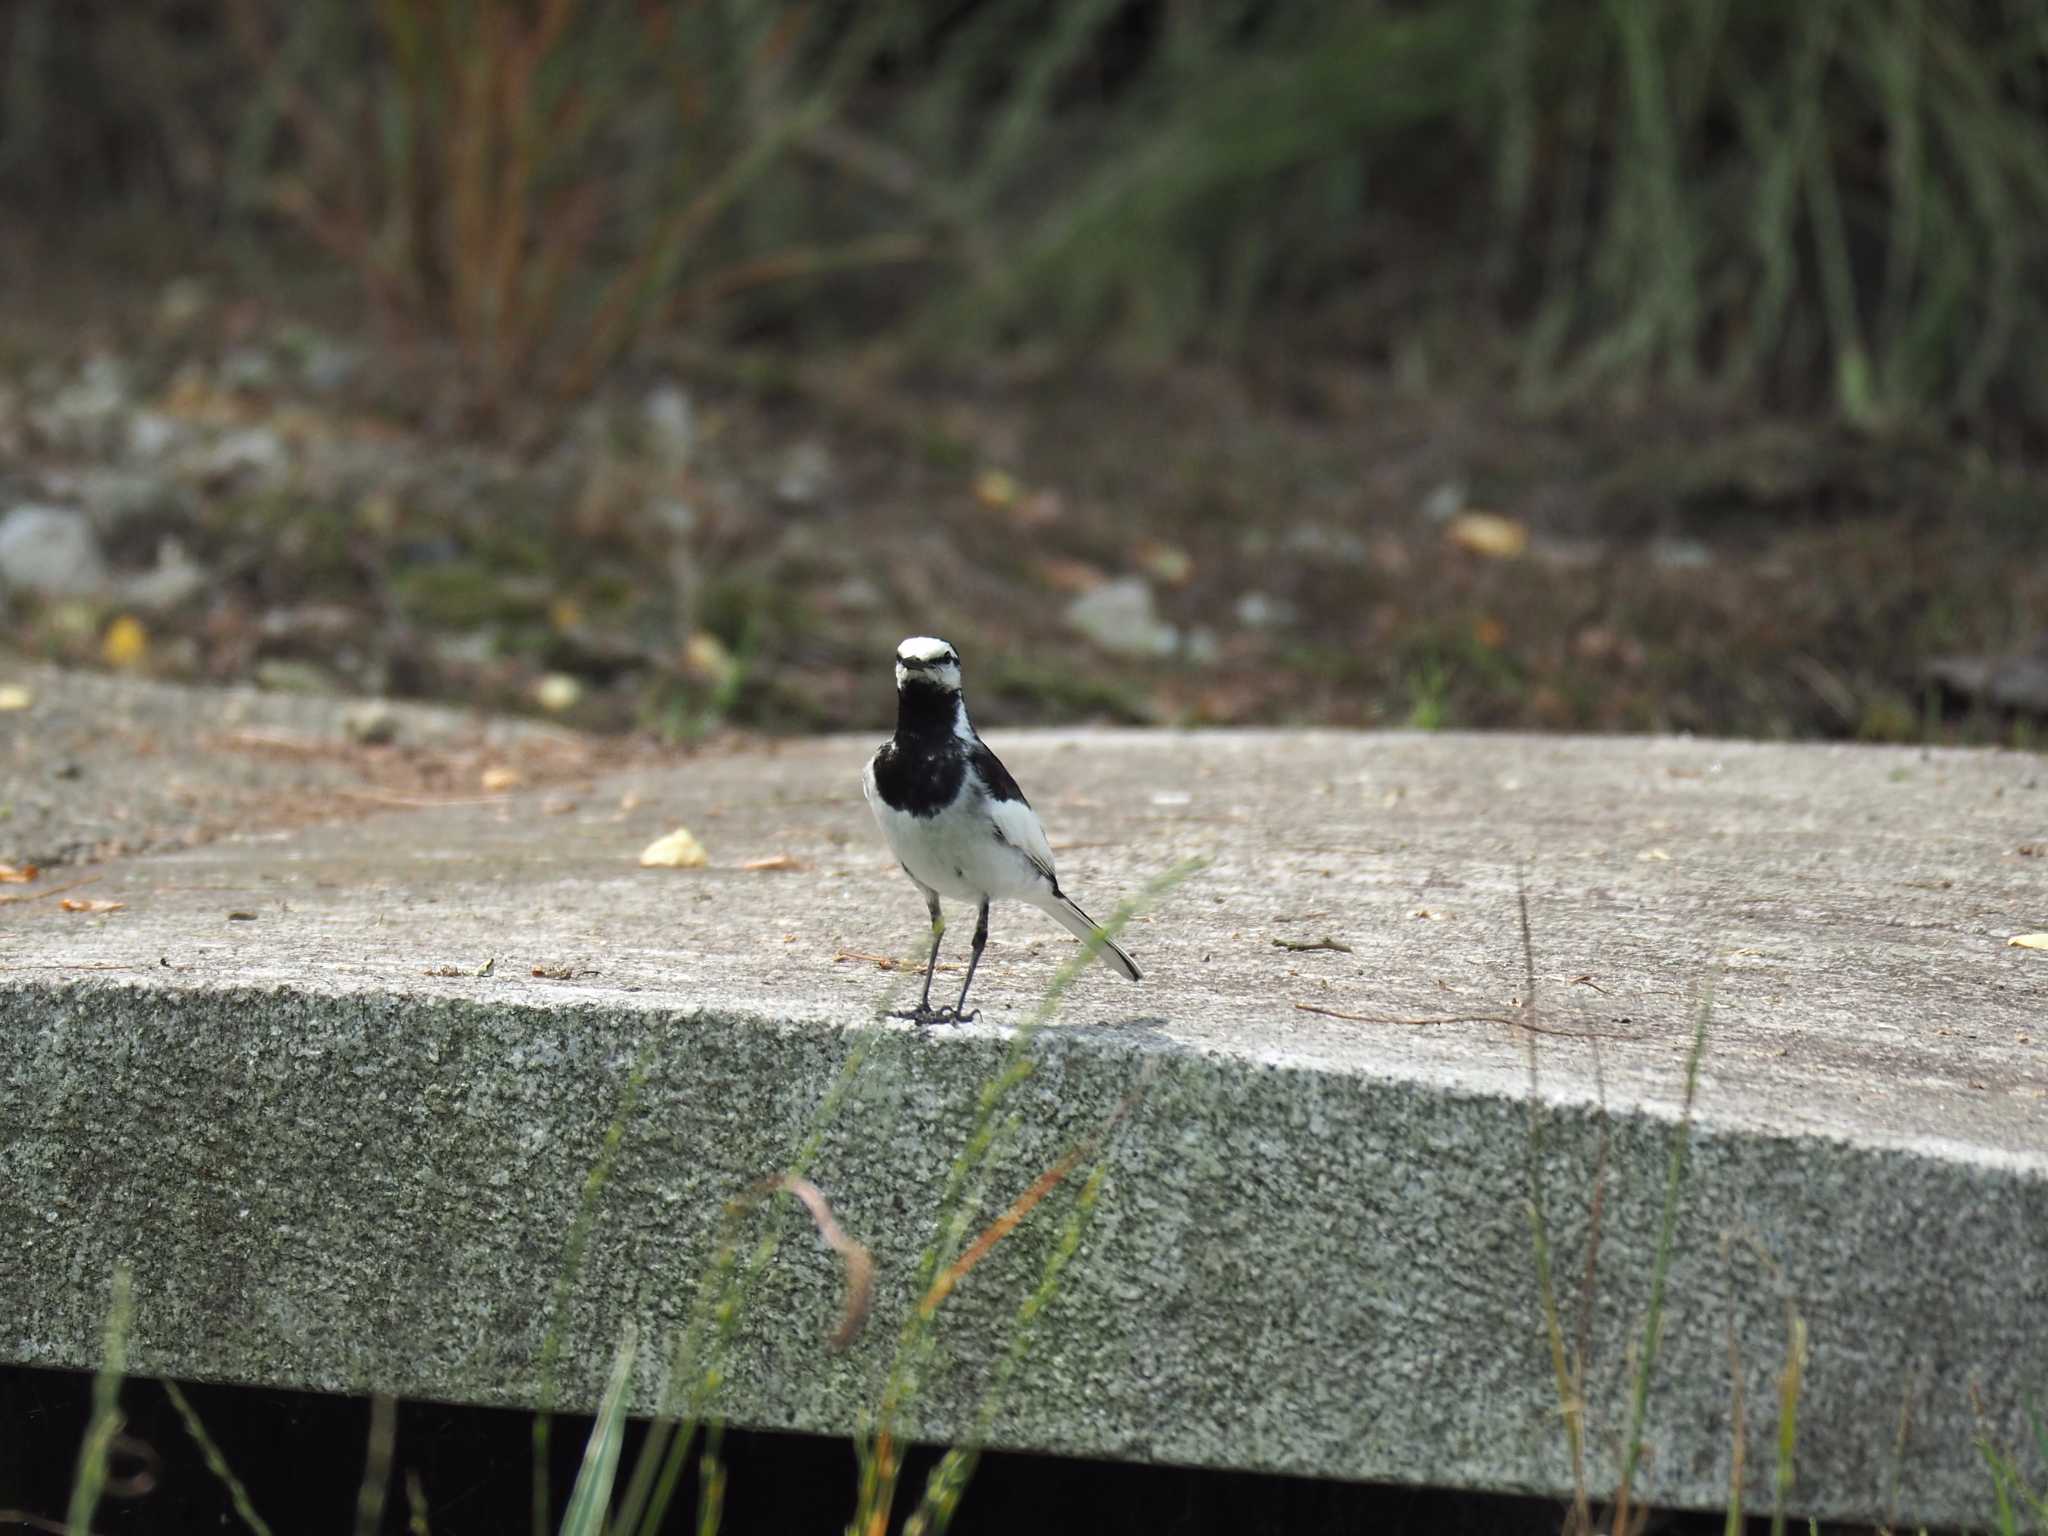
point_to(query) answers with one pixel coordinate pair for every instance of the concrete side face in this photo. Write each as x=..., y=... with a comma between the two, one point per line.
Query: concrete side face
x=1295, y=1268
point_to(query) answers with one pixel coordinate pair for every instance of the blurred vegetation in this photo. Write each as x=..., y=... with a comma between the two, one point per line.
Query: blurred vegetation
x=1836, y=204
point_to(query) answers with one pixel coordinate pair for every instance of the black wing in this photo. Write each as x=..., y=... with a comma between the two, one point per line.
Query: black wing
x=990, y=770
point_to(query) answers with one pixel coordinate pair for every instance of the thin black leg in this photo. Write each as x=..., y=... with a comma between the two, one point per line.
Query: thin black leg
x=960, y=1013
x=923, y=1014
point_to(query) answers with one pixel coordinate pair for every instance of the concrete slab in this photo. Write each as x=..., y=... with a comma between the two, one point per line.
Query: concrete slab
x=339, y=1157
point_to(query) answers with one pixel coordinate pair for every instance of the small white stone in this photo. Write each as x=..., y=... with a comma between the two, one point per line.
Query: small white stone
x=1119, y=616
x=51, y=550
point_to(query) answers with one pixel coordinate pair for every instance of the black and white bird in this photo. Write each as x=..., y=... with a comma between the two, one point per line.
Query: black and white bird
x=956, y=820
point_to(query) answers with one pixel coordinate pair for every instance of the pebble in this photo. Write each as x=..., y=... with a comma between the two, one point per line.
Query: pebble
x=85, y=415
x=1255, y=610
x=670, y=425
x=152, y=435
x=1120, y=616
x=248, y=368
x=373, y=724
x=176, y=579
x=806, y=474
x=51, y=550
x=1680, y=554
x=254, y=451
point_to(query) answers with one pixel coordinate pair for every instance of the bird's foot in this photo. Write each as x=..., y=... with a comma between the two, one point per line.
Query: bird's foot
x=924, y=1016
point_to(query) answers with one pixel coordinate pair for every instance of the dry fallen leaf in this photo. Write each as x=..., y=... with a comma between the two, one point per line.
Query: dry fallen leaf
x=2028, y=941
x=501, y=778
x=1489, y=534
x=18, y=874
x=774, y=861
x=1041, y=509
x=1655, y=856
x=880, y=962
x=560, y=972
x=90, y=904
x=14, y=696
x=679, y=850
x=1070, y=576
x=1325, y=942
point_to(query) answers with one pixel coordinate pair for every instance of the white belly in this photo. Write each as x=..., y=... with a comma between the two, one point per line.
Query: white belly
x=956, y=852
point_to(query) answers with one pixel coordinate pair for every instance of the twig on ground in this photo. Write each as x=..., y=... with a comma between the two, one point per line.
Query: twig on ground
x=55, y=890
x=1464, y=1018
x=885, y=962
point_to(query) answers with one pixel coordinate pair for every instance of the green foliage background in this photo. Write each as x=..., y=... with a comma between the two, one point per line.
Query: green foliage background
x=1830, y=203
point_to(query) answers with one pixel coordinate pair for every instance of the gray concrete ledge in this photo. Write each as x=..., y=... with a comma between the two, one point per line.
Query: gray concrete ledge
x=334, y=1165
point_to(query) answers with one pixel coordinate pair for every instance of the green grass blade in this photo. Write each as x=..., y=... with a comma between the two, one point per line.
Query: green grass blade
x=377, y=1464
x=590, y=1499
x=416, y=1506
x=216, y=1463
x=90, y=1479
x=1667, y=1232
x=572, y=1265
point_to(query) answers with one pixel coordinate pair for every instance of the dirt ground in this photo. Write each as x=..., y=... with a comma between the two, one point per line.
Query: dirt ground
x=739, y=538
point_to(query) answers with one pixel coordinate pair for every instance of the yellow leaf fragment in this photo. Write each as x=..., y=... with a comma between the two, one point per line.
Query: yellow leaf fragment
x=2028, y=941
x=1488, y=534
x=14, y=696
x=706, y=658
x=500, y=778
x=996, y=488
x=679, y=850
x=90, y=904
x=774, y=861
x=126, y=642
x=1168, y=563
x=18, y=874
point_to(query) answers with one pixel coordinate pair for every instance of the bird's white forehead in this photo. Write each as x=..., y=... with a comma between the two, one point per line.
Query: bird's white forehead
x=924, y=648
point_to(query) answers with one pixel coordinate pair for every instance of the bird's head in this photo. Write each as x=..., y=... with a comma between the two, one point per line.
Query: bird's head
x=935, y=664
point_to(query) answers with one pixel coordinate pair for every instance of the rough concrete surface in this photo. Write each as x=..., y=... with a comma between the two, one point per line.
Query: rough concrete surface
x=338, y=1157
x=99, y=765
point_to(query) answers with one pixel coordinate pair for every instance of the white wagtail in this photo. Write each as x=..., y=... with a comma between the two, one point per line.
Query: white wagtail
x=956, y=820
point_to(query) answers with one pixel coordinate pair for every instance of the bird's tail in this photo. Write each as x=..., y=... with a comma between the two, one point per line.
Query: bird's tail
x=1082, y=927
